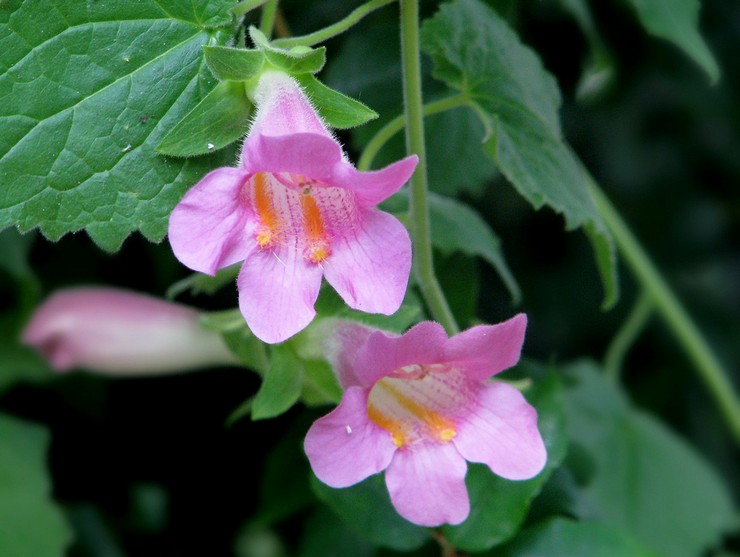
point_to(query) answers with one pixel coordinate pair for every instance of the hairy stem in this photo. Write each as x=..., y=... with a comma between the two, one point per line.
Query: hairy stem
x=336, y=28
x=414, y=117
x=670, y=309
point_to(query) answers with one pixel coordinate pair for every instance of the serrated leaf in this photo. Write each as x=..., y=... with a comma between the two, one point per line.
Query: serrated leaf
x=221, y=118
x=338, y=110
x=235, y=64
x=560, y=537
x=645, y=480
x=87, y=90
x=476, y=52
x=31, y=524
x=296, y=60
x=498, y=506
x=678, y=22
x=282, y=385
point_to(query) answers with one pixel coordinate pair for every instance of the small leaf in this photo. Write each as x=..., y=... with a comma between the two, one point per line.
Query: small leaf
x=646, y=480
x=320, y=385
x=201, y=283
x=282, y=385
x=457, y=227
x=297, y=60
x=560, y=537
x=31, y=524
x=476, y=52
x=366, y=508
x=498, y=506
x=338, y=110
x=678, y=22
x=234, y=64
x=220, y=118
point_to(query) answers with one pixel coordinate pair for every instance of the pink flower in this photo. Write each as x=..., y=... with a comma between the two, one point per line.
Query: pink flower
x=293, y=210
x=418, y=406
x=121, y=333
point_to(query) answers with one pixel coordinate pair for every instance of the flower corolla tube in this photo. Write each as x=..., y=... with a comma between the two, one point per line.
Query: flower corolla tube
x=419, y=406
x=119, y=332
x=295, y=209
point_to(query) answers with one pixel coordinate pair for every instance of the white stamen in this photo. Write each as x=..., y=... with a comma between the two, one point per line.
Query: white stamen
x=348, y=429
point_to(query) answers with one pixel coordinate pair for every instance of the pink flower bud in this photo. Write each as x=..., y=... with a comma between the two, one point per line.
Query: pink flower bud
x=121, y=333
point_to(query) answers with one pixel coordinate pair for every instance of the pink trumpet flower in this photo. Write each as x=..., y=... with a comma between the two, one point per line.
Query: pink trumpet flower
x=419, y=406
x=295, y=209
x=121, y=333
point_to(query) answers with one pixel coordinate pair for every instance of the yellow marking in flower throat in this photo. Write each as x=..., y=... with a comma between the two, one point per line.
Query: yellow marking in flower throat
x=441, y=427
x=270, y=223
x=318, y=242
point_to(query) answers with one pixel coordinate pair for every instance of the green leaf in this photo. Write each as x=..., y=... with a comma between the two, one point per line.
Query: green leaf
x=200, y=283
x=31, y=524
x=18, y=363
x=282, y=385
x=457, y=227
x=646, y=479
x=678, y=22
x=320, y=385
x=338, y=110
x=560, y=537
x=235, y=64
x=221, y=118
x=366, y=508
x=114, y=77
x=476, y=52
x=325, y=534
x=498, y=506
x=297, y=60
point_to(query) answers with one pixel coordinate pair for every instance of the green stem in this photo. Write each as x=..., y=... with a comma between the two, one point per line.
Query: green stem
x=627, y=335
x=246, y=6
x=267, y=21
x=710, y=370
x=413, y=110
x=385, y=133
x=335, y=29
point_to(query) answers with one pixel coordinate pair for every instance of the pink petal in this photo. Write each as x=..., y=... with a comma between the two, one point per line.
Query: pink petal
x=210, y=228
x=277, y=292
x=370, y=263
x=426, y=483
x=308, y=154
x=121, y=333
x=500, y=430
x=382, y=354
x=345, y=446
x=341, y=346
x=375, y=186
x=486, y=350
x=283, y=108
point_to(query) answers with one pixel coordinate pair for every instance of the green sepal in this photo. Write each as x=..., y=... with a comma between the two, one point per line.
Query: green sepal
x=233, y=64
x=338, y=110
x=219, y=119
x=297, y=60
x=282, y=385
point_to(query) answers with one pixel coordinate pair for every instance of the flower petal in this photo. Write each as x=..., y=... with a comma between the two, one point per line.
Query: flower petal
x=382, y=354
x=344, y=339
x=345, y=446
x=500, y=430
x=277, y=292
x=486, y=350
x=426, y=483
x=370, y=263
x=308, y=154
x=210, y=228
x=378, y=185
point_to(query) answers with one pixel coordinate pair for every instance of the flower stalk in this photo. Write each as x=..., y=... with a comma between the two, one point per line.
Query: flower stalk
x=414, y=120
